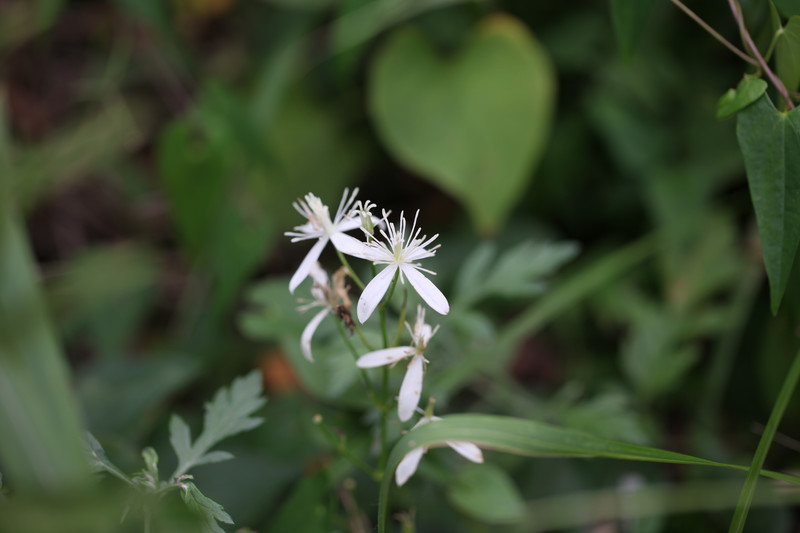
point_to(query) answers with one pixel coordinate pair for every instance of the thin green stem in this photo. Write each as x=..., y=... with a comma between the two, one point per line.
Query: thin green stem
x=340, y=446
x=402, y=317
x=716, y=35
x=357, y=329
x=364, y=375
x=736, y=9
x=350, y=270
x=384, y=454
x=749, y=488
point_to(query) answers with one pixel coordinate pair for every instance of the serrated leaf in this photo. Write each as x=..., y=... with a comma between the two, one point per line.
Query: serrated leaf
x=181, y=439
x=517, y=272
x=787, y=54
x=211, y=510
x=533, y=439
x=788, y=7
x=770, y=144
x=214, y=457
x=628, y=18
x=487, y=493
x=748, y=91
x=475, y=124
x=227, y=414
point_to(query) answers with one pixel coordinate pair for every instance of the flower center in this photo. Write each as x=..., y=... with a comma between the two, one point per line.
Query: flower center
x=319, y=216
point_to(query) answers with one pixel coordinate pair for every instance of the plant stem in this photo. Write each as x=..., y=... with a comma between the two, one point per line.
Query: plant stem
x=350, y=270
x=338, y=443
x=749, y=488
x=779, y=86
x=367, y=345
x=364, y=376
x=402, y=317
x=716, y=35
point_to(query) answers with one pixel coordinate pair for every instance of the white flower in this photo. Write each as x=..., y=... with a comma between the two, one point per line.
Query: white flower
x=411, y=388
x=408, y=464
x=325, y=296
x=320, y=226
x=400, y=254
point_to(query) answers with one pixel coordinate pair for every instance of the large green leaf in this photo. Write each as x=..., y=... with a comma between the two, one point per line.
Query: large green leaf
x=41, y=444
x=534, y=439
x=474, y=124
x=629, y=18
x=788, y=7
x=770, y=143
x=748, y=91
x=487, y=493
x=787, y=54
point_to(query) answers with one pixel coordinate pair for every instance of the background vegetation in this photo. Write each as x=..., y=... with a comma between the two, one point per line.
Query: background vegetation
x=599, y=248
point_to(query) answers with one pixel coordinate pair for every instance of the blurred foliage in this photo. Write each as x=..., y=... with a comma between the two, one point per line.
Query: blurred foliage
x=149, y=155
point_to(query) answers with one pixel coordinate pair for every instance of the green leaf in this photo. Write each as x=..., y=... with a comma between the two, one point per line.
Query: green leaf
x=787, y=54
x=628, y=18
x=518, y=272
x=487, y=493
x=41, y=444
x=749, y=488
x=534, y=439
x=208, y=508
x=306, y=508
x=770, y=143
x=227, y=414
x=474, y=124
x=748, y=91
x=788, y=7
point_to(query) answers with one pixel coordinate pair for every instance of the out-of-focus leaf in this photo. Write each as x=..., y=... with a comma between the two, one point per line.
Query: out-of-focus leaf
x=770, y=143
x=653, y=358
x=787, y=54
x=748, y=91
x=629, y=18
x=487, y=493
x=41, y=448
x=788, y=8
x=533, y=439
x=74, y=152
x=476, y=124
x=227, y=414
x=105, y=290
x=274, y=316
x=23, y=19
x=118, y=395
x=306, y=509
x=610, y=415
x=305, y=5
x=518, y=272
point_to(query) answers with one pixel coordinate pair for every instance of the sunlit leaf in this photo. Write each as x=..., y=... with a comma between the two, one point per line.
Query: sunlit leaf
x=770, y=143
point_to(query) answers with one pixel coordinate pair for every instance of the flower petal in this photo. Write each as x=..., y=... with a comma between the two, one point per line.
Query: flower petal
x=349, y=245
x=349, y=224
x=319, y=275
x=411, y=389
x=408, y=465
x=384, y=357
x=374, y=291
x=426, y=289
x=467, y=449
x=308, y=332
x=305, y=267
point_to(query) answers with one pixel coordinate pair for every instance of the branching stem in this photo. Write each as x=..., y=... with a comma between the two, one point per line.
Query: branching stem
x=714, y=33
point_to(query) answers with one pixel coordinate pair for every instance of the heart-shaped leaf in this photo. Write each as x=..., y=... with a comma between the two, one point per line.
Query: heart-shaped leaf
x=748, y=91
x=788, y=7
x=770, y=143
x=787, y=54
x=474, y=124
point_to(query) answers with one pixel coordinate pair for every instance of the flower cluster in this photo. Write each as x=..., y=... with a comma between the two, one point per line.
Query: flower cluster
x=399, y=250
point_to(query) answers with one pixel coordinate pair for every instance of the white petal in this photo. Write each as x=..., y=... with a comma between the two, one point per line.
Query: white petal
x=383, y=357
x=349, y=245
x=351, y=223
x=308, y=332
x=307, y=264
x=319, y=276
x=408, y=465
x=374, y=292
x=427, y=290
x=467, y=449
x=411, y=389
